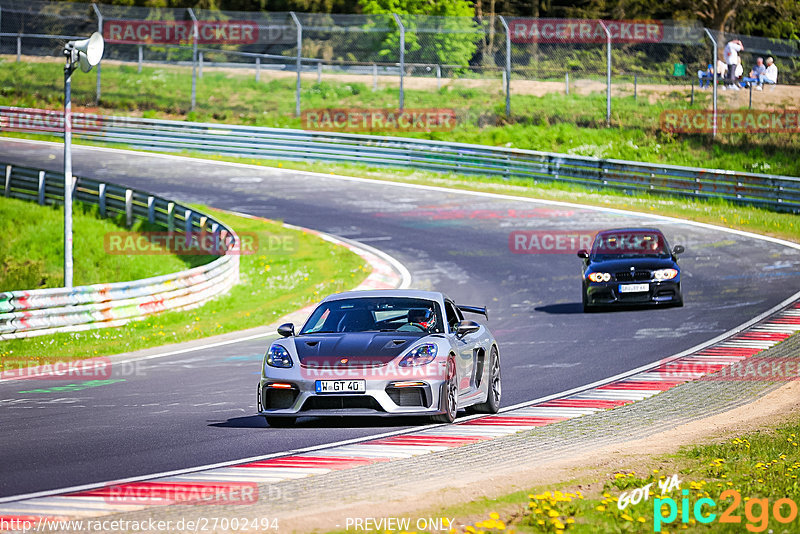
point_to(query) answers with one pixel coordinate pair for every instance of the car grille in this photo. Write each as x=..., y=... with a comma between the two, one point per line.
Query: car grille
x=278, y=399
x=407, y=396
x=341, y=402
x=631, y=276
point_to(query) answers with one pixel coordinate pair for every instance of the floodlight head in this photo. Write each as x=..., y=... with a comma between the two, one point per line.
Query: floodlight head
x=90, y=51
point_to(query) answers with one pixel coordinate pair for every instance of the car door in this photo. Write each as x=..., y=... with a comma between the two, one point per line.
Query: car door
x=465, y=347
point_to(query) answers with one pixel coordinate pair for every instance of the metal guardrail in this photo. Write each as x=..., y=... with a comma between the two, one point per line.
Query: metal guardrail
x=46, y=311
x=770, y=191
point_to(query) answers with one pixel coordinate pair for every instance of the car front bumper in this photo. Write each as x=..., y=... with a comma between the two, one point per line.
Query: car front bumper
x=382, y=397
x=609, y=294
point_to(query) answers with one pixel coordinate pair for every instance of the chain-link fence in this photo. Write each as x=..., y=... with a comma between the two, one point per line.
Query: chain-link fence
x=486, y=70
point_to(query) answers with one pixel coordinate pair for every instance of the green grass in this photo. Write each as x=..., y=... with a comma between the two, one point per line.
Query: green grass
x=32, y=250
x=272, y=284
x=554, y=122
x=760, y=465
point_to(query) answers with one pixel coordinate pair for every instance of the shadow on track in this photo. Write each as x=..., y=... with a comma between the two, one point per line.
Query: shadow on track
x=257, y=421
x=567, y=308
x=576, y=308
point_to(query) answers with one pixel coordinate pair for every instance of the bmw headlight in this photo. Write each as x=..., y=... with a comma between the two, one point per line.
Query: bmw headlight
x=421, y=355
x=665, y=274
x=599, y=277
x=278, y=356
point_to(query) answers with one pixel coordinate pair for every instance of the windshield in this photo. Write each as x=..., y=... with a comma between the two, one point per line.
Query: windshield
x=627, y=244
x=379, y=314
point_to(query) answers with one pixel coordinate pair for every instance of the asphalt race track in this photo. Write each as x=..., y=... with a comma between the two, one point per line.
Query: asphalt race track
x=197, y=408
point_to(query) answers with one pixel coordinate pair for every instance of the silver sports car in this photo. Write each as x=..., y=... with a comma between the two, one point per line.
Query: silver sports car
x=381, y=352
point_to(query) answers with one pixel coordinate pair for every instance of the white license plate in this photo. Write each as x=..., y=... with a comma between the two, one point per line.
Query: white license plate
x=341, y=386
x=633, y=288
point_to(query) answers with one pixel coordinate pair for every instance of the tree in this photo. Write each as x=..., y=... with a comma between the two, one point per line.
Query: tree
x=437, y=31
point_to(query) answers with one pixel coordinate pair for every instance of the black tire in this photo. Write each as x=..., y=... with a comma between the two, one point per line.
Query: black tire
x=280, y=422
x=585, y=301
x=449, y=395
x=492, y=404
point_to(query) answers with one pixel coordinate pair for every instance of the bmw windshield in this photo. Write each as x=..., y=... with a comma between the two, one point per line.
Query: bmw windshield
x=385, y=314
x=630, y=244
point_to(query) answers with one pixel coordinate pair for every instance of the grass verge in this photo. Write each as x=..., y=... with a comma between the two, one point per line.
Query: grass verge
x=272, y=284
x=29, y=259
x=749, y=483
x=555, y=122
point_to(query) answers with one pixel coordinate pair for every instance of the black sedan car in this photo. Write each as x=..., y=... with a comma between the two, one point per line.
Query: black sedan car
x=631, y=266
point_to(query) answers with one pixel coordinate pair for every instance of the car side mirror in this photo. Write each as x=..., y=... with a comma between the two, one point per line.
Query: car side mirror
x=286, y=330
x=583, y=254
x=678, y=249
x=466, y=327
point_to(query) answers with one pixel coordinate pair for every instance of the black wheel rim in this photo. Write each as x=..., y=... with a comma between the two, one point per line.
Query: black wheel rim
x=452, y=391
x=495, y=380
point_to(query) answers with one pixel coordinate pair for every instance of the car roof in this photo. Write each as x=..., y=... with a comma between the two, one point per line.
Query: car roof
x=629, y=229
x=388, y=293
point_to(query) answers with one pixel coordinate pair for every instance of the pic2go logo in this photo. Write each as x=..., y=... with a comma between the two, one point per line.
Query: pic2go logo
x=756, y=511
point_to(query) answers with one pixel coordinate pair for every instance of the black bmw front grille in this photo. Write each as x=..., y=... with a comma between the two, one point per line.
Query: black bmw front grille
x=631, y=276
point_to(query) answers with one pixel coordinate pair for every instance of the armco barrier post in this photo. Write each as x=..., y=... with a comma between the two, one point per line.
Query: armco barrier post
x=608, y=73
x=298, y=64
x=141, y=57
x=129, y=207
x=100, y=31
x=195, y=37
x=714, y=62
x=7, y=188
x=41, y=188
x=508, y=66
x=151, y=209
x=101, y=194
x=258, y=68
x=402, y=56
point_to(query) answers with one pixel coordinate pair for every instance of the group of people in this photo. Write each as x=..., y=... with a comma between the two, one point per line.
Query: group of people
x=731, y=70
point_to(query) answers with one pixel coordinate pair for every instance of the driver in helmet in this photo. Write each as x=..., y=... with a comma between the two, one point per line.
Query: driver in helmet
x=423, y=317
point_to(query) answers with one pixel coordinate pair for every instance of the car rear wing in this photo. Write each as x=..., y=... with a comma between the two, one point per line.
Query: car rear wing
x=481, y=310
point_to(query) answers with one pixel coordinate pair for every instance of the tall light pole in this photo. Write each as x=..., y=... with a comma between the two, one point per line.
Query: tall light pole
x=87, y=53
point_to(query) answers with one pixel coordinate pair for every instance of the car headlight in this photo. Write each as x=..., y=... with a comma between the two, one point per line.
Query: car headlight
x=421, y=355
x=599, y=277
x=665, y=274
x=278, y=356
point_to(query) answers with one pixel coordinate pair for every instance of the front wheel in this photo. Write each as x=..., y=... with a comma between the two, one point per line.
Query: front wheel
x=449, y=395
x=492, y=404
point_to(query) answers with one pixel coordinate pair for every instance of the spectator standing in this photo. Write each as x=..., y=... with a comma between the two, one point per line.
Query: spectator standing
x=731, y=56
